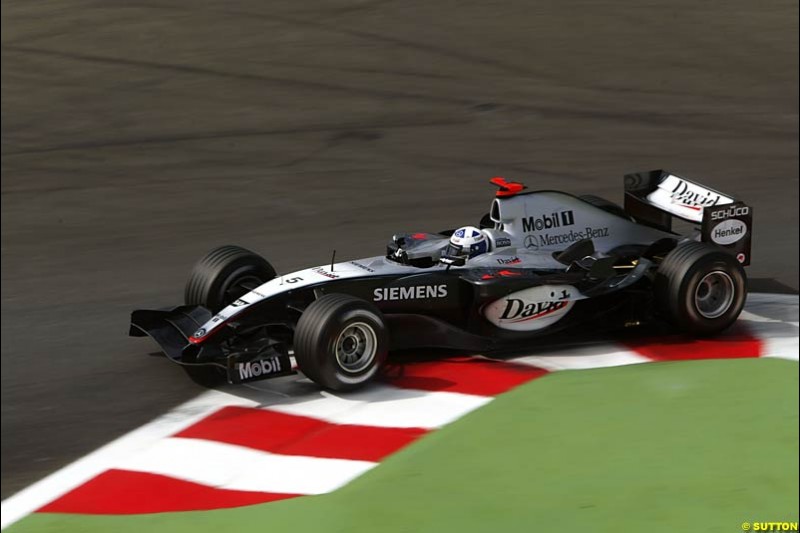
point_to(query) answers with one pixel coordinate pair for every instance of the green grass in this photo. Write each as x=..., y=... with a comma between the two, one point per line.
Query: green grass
x=689, y=446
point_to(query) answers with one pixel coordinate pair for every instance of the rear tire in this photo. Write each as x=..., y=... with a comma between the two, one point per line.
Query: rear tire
x=700, y=288
x=605, y=205
x=225, y=274
x=341, y=342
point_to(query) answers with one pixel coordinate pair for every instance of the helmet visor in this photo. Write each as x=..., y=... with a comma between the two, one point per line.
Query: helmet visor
x=454, y=251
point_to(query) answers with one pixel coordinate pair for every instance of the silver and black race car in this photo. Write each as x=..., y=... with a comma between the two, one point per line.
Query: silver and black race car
x=539, y=262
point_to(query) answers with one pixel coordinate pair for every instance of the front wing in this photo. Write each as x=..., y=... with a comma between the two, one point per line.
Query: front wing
x=171, y=328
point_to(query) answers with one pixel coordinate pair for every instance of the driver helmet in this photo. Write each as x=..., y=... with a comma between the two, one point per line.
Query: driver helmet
x=466, y=242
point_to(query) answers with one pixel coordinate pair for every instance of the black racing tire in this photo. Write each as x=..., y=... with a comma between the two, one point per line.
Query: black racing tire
x=225, y=274
x=208, y=376
x=341, y=342
x=605, y=205
x=700, y=288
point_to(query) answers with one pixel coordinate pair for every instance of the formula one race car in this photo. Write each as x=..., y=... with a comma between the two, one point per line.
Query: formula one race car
x=539, y=262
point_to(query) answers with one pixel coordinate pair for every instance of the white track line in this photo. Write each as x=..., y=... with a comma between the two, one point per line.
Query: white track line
x=226, y=466
x=62, y=481
x=380, y=405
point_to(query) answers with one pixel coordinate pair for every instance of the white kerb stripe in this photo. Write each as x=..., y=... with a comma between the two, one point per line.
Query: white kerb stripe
x=584, y=358
x=779, y=337
x=64, y=480
x=226, y=466
x=386, y=406
x=782, y=348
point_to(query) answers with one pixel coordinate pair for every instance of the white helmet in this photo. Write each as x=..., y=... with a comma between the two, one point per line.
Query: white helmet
x=466, y=243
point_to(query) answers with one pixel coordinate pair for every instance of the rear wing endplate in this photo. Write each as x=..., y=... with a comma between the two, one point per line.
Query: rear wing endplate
x=655, y=197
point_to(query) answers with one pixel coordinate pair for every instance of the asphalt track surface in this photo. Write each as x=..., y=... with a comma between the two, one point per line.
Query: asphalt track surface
x=135, y=138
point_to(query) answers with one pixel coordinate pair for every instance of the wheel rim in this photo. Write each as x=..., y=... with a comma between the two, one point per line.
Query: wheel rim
x=356, y=347
x=714, y=294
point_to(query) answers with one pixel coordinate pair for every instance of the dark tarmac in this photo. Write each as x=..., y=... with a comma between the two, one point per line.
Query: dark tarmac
x=137, y=137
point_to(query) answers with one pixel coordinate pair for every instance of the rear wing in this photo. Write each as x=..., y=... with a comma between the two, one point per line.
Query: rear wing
x=654, y=198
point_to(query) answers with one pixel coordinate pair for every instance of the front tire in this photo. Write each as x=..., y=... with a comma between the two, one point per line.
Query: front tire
x=700, y=288
x=340, y=342
x=225, y=274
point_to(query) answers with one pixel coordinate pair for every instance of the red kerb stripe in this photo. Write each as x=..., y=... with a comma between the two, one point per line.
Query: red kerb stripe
x=470, y=375
x=736, y=343
x=126, y=492
x=298, y=435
